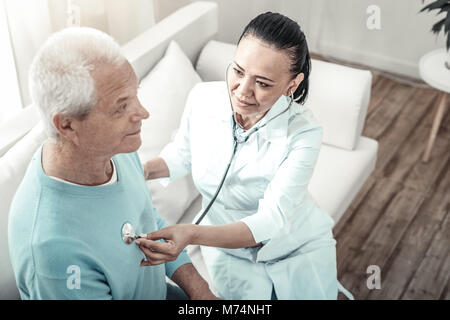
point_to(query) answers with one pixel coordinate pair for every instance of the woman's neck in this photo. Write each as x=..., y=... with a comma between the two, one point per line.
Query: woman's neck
x=247, y=122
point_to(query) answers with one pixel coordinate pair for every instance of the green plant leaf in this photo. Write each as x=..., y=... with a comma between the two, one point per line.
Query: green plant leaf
x=437, y=27
x=438, y=4
x=445, y=8
x=448, y=42
x=447, y=23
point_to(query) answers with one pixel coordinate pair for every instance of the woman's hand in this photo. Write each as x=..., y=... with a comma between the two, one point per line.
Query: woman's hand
x=156, y=168
x=176, y=237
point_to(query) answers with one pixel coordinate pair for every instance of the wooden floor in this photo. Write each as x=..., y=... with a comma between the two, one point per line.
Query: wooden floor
x=400, y=220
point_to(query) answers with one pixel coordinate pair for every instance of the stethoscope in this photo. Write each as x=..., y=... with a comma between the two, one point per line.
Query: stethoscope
x=128, y=233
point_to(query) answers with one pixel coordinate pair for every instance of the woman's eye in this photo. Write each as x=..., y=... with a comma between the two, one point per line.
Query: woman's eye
x=238, y=72
x=262, y=84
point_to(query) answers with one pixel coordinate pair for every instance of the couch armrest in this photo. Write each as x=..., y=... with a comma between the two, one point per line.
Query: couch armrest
x=17, y=126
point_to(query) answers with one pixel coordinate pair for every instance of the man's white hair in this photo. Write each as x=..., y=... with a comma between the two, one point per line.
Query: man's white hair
x=60, y=78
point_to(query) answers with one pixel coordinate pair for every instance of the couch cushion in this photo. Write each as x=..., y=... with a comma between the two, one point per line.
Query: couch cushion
x=163, y=93
x=12, y=169
x=338, y=95
x=214, y=60
x=339, y=175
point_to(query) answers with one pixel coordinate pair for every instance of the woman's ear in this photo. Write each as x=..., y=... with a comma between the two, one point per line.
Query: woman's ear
x=65, y=127
x=293, y=85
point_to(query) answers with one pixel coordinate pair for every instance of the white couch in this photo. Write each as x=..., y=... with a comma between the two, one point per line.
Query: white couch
x=339, y=98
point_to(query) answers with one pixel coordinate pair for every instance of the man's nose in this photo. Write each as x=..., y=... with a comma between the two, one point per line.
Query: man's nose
x=141, y=113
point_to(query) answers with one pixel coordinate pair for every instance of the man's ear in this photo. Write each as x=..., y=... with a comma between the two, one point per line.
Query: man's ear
x=293, y=85
x=65, y=126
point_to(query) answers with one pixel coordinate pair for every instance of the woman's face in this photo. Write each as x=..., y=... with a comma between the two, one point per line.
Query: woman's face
x=258, y=76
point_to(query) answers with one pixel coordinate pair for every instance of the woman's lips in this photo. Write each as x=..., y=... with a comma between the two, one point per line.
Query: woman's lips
x=241, y=103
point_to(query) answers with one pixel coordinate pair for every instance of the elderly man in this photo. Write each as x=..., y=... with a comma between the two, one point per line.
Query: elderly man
x=86, y=181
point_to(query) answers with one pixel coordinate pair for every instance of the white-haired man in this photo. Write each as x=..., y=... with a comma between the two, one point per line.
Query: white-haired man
x=86, y=181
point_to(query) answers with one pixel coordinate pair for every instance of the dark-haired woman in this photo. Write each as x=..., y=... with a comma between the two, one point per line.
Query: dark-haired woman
x=264, y=237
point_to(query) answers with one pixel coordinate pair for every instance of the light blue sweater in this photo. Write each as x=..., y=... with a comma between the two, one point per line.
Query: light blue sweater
x=65, y=240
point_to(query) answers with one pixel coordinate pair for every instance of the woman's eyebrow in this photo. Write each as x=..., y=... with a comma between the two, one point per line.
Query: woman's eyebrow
x=261, y=77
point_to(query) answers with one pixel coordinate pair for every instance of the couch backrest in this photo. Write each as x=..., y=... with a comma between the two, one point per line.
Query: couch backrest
x=338, y=95
x=191, y=26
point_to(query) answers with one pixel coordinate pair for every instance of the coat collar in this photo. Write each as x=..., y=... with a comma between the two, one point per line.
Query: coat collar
x=276, y=130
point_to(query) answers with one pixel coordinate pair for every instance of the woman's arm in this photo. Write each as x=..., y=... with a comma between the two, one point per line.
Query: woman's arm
x=232, y=236
x=156, y=168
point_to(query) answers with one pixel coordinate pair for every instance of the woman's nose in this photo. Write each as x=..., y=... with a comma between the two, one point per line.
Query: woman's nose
x=244, y=88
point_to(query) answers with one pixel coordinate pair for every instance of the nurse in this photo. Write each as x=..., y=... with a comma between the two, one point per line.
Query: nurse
x=264, y=237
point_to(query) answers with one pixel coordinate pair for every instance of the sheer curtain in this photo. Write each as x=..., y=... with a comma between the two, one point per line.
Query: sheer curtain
x=11, y=98
x=30, y=22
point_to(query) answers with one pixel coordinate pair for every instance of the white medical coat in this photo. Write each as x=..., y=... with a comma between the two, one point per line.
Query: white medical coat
x=267, y=189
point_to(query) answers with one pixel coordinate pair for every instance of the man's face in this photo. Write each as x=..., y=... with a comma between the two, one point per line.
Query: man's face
x=113, y=125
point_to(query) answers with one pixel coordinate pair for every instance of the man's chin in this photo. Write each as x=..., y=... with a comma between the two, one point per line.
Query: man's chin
x=131, y=147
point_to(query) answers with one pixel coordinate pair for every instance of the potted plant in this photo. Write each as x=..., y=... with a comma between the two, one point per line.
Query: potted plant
x=442, y=6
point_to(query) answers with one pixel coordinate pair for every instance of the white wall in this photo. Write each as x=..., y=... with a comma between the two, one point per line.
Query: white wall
x=337, y=28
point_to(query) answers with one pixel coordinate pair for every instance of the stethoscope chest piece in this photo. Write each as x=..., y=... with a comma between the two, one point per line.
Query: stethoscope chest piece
x=128, y=233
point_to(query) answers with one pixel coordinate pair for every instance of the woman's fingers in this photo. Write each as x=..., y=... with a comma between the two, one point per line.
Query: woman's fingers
x=153, y=255
x=157, y=252
x=160, y=234
x=158, y=246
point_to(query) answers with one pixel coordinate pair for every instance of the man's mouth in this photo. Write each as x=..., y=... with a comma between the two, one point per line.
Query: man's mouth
x=135, y=133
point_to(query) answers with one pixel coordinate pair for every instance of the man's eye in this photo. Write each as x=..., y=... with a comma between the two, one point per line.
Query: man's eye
x=122, y=108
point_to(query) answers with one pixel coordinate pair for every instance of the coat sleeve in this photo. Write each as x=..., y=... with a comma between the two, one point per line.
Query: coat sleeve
x=177, y=154
x=285, y=199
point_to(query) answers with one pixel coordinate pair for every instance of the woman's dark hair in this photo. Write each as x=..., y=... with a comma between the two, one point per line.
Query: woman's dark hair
x=285, y=34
